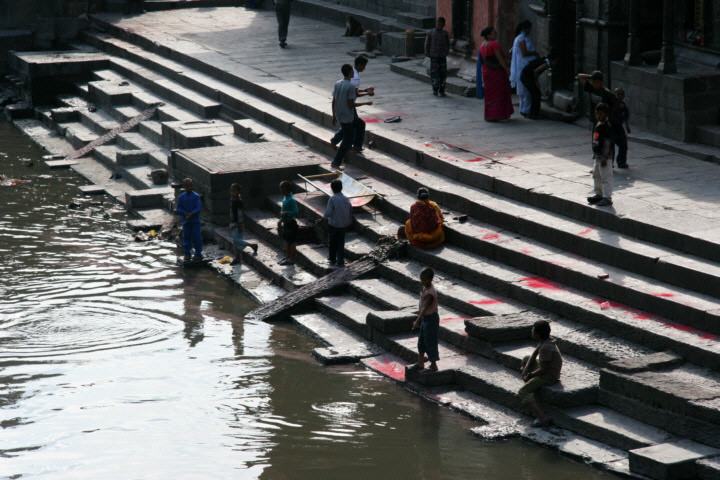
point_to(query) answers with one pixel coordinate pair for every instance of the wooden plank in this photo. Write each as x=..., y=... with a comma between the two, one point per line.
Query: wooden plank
x=292, y=302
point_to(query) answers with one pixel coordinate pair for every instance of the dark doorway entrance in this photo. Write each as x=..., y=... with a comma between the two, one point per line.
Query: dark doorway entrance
x=564, y=73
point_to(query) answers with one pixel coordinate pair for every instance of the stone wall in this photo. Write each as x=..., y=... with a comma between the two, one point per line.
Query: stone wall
x=38, y=25
x=670, y=105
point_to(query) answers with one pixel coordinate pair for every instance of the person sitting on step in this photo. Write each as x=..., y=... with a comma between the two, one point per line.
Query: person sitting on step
x=540, y=369
x=424, y=229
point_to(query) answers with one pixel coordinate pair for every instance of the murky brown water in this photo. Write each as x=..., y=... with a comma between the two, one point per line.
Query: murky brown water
x=114, y=364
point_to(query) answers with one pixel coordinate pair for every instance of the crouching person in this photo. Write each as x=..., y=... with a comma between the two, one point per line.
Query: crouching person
x=540, y=369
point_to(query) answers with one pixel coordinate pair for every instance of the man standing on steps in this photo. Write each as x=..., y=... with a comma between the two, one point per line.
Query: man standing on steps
x=282, y=12
x=343, y=106
x=540, y=369
x=361, y=62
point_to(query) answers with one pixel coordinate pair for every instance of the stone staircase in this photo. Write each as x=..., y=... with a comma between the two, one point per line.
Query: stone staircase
x=641, y=347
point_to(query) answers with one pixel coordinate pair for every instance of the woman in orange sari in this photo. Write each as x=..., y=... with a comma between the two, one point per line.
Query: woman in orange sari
x=425, y=227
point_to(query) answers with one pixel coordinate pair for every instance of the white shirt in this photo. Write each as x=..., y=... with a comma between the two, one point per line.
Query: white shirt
x=355, y=80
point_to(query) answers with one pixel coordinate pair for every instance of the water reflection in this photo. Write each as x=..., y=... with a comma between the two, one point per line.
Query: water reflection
x=115, y=364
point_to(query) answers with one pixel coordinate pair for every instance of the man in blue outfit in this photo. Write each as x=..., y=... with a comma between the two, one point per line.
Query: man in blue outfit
x=188, y=207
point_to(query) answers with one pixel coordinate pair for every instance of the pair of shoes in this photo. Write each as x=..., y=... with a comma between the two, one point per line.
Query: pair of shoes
x=431, y=369
x=526, y=115
x=604, y=202
x=285, y=262
x=415, y=367
x=283, y=44
x=594, y=199
x=187, y=259
x=337, y=167
x=435, y=93
x=340, y=265
x=623, y=165
x=236, y=261
x=540, y=424
x=197, y=258
x=358, y=150
x=254, y=246
x=442, y=94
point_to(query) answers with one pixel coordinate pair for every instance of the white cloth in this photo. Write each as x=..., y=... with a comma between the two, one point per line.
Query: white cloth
x=518, y=62
x=602, y=177
x=355, y=80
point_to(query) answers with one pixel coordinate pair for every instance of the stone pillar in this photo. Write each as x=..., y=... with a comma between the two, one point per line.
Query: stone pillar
x=632, y=56
x=469, y=34
x=552, y=11
x=579, y=51
x=667, y=59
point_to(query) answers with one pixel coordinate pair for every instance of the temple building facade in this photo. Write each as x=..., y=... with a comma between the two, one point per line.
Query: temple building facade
x=664, y=53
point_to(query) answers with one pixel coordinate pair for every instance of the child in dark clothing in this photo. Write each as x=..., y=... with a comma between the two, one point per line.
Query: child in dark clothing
x=620, y=123
x=236, y=224
x=602, y=154
x=428, y=321
x=288, y=222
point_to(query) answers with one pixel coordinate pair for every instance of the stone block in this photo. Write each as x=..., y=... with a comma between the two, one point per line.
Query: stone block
x=653, y=361
x=129, y=158
x=500, y=328
x=708, y=468
x=391, y=321
x=430, y=379
x=669, y=461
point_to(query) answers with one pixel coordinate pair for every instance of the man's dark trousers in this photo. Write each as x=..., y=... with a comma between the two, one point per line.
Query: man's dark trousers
x=282, y=12
x=619, y=139
x=336, y=245
x=358, y=136
x=535, y=94
x=348, y=130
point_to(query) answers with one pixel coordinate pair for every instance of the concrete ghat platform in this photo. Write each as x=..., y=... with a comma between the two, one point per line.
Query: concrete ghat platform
x=257, y=167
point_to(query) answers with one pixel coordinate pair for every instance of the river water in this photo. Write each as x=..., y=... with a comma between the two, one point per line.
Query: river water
x=115, y=364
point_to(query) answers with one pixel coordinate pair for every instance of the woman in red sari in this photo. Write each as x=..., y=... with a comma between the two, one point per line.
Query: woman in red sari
x=425, y=227
x=495, y=76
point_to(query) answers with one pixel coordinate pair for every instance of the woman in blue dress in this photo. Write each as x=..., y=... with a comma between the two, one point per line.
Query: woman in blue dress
x=523, y=52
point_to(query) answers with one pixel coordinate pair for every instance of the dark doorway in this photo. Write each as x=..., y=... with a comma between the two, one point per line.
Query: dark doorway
x=564, y=73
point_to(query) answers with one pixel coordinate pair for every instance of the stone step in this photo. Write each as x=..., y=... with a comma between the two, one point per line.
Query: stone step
x=356, y=244
x=343, y=345
x=194, y=134
x=578, y=387
x=288, y=277
x=610, y=427
x=708, y=134
x=264, y=224
x=147, y=198
x=337, y=13
x=685, y=390
x=631, y=325
x=313, y=106
x=696, y=310
x=453, y=85
x=98, y=121
x=708, y=468
x=78, y=134
x=254, y=131
x=196, y=103
x=500, y=220
x=669, y=461
x=416, y=20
